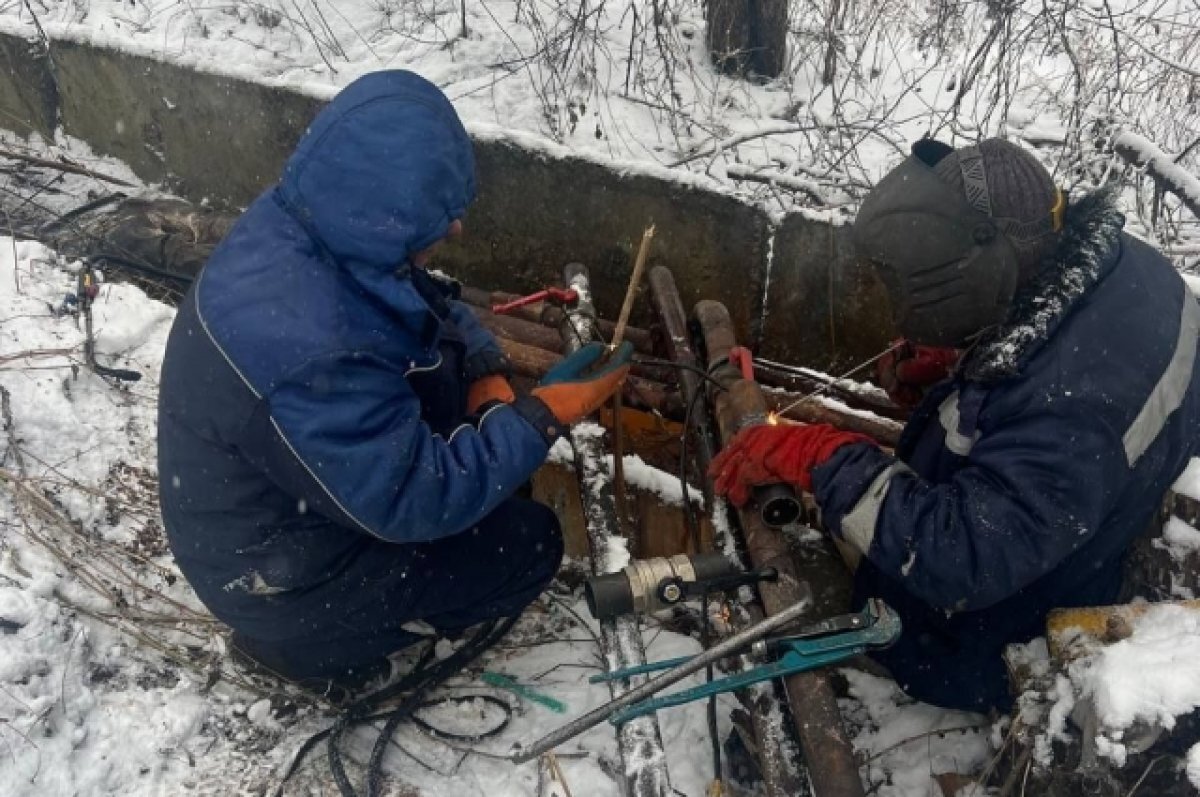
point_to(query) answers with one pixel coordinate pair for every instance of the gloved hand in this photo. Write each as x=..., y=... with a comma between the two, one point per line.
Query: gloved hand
x=907, y=371
x=571, y=393
x=775, y=453
x=493, y=387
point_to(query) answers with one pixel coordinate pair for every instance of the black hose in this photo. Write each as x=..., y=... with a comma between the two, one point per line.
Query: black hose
x=714, y=734
x=415, y=686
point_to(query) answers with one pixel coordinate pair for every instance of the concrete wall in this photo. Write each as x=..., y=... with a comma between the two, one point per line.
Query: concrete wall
x=222, y=141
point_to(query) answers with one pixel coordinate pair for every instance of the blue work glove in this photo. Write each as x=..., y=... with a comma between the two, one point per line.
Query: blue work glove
x=572, y=392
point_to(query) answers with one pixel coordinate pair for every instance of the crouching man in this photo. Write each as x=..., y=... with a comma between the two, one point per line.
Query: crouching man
x=1052, y=359
x=338, y=442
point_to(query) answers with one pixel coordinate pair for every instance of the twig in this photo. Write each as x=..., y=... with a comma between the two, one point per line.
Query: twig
x=639, y=266
x=556, y=770
x=10, y=430
x=741, y=138
x=1145, y=774
x=35, y=353
x=63, y=166
x=939, y=732
x=772, y=178
x=1184, y=68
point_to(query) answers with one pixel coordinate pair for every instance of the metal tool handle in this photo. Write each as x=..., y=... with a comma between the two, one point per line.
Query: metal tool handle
x=717, y=652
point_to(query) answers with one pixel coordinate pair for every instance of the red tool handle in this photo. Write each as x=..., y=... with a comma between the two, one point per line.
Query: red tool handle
x=562, y=296
x=741, y=358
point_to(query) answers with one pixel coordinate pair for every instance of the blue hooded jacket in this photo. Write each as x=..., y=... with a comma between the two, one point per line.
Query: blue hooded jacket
x=1019, y=484
x=294, y=430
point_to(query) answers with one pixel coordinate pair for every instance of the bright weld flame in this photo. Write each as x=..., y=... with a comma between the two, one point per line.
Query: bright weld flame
x=773, y=418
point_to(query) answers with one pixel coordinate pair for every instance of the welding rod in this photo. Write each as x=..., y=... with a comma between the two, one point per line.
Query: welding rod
x=733, y=644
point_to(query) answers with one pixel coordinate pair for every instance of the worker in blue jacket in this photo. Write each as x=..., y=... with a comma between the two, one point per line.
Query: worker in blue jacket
x=339, y=445
x=1053, y=361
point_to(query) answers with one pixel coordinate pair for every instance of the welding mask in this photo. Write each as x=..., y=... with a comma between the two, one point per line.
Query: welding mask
x=950, y=267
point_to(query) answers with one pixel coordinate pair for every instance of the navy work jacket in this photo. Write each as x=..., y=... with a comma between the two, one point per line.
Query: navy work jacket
x=1019, y=484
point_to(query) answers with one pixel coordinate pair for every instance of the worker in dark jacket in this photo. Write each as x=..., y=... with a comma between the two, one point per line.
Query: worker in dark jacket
x=1054, y=360
x=338, y=442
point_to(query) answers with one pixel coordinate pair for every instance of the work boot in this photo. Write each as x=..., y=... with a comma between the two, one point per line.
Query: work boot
x=340, y=690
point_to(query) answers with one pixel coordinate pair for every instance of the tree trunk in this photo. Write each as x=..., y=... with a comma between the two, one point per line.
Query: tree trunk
x=748, y=38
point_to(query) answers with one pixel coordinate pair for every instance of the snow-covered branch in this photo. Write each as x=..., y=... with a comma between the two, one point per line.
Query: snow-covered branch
x=1170, y=175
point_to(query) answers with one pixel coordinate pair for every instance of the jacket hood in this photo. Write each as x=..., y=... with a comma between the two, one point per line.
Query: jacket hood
x=382, y=171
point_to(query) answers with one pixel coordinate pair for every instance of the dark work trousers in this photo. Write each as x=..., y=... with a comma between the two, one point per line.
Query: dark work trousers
x=492, y=570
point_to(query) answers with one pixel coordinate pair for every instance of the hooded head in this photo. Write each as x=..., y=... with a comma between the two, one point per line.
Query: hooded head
x=955, y=232
x=382, y=172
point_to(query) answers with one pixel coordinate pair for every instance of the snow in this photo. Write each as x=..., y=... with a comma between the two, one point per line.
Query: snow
x=1152, y=676
x=1188, y=482
x=638, y=474
x=1145, y=681
x=631, y=85
x=89, y=708
x=1180, y=538
x=1161, y=164
x=905, y=743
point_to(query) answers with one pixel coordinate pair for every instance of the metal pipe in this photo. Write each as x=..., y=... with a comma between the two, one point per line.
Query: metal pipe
x=639, y=740
x=828, y=753
x=727, y=647
x=779, y=774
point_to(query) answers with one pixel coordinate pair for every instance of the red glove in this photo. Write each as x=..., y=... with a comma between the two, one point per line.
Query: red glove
x=774, y=453
x=908, y=370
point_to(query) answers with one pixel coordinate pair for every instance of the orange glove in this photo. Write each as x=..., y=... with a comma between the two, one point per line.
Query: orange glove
x=492, y=387
x=572, y=393
x=775, y=453
x=907, y=371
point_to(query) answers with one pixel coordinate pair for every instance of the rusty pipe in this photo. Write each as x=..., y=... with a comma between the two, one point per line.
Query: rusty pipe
x=779, y=777
x=827, y=750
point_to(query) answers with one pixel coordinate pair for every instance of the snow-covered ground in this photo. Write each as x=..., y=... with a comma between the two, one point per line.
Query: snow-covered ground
x=113, y=679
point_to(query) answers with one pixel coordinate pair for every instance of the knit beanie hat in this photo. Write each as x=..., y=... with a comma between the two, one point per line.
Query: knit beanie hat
x=1006, y=182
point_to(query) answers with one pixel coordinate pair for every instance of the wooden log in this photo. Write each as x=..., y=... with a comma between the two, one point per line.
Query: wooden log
x=551, y=316
x=856, y=395
x=519, y=330
x=882, y=430
x=530, y=362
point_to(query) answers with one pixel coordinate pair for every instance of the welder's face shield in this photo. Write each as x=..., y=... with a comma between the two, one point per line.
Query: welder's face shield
x=949, y=271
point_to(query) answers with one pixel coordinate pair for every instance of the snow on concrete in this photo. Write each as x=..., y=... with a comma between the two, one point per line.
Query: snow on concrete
x=631, y=84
